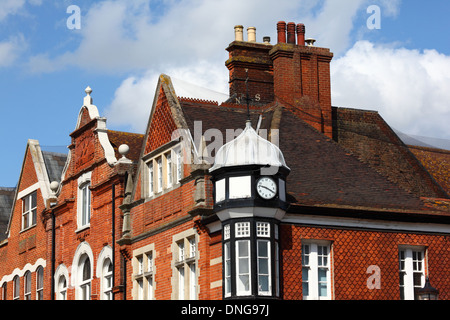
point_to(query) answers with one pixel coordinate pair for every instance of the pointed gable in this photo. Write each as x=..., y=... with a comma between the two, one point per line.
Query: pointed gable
x=163, y=118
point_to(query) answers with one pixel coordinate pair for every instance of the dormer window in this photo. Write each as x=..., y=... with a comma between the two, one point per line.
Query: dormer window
x=29, y=209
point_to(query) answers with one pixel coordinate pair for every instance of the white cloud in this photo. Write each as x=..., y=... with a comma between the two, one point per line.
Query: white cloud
x=409, y=88
x=10, y=7
x=121, y=36
x=11, y=49
x=134, y=98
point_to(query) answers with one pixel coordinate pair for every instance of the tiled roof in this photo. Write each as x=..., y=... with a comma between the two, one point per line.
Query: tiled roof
x=322, y=172
x=366, y=135
x=437, y=163
x=54, y=162
x=6, y=203
x=133, y=140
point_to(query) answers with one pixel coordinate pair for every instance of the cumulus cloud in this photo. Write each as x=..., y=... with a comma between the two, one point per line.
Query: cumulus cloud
x=11, y=49
x=121, y=36
x=134, y=98
x=409, y=88
x=12, y=7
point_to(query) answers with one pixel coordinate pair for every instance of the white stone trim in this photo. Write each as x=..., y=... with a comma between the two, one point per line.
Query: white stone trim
x=366, y=223
x=20, y=272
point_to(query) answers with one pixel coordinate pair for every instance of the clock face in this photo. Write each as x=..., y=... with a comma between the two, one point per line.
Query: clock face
x=266, y=188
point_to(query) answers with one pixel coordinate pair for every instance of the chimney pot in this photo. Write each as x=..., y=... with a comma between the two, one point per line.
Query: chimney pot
x=266, y=40
x=291, y=32
x=281, y=31
x=251, y=34
x=310, y=42
x=301, y=34
x=238, y=33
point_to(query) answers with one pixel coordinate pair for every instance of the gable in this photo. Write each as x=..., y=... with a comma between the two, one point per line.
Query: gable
x=162, y=124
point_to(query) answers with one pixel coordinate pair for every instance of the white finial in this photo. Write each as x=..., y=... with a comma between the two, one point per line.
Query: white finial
x=124, y=149
x=88, y=99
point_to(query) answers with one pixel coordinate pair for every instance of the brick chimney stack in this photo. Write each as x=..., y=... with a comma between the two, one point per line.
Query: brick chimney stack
x=302, y=77
x=250, y=59
x=290, y=72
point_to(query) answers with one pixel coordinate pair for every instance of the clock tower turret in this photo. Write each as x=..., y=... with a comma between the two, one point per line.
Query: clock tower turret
x=249, y=177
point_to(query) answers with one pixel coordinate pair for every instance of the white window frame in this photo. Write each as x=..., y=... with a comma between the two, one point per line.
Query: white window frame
x=185, y=266
x=312, y=265
x=179, y=164
x=40, y=283
x=410, y=265
x=227, y=269
x=27, y=285
x=84, y=201
x=29, y=215
x=144, y=273
x=151, y=178
x=243, y=272
x=16, y=288
x=259, y=261
x=159, y=175
x=62, y=287
x=107, y=285
x=169, y=169
x=84, y=285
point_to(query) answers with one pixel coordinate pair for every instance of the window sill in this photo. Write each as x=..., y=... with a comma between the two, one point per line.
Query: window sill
x=27, y=228
x=87, y=226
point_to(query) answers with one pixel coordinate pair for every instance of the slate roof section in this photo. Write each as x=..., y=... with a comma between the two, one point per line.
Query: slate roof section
x=322, y=172
x=54, y=162
x=6, y=203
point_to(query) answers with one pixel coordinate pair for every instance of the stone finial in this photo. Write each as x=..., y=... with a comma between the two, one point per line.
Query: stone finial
x=88, y=98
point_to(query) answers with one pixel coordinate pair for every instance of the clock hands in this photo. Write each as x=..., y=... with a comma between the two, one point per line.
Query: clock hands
x=267, y=188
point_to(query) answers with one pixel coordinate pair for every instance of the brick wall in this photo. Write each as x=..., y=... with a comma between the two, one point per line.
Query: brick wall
x=353, y=252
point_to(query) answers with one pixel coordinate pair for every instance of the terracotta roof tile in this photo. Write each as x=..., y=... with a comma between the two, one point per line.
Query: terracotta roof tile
x=133, y=140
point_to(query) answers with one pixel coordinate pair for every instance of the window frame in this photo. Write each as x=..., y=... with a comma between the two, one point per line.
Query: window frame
x=16, y=288
x=27, y=285
x=84, y=201
x=185, y=266
x=62, y=288
x=29, y=215
x=144, y=273
x=40, y=283
x=409, y=291
x=107, y=285
x=164, y=171
x=313, y=268
x=243, y=259
x=84, y=285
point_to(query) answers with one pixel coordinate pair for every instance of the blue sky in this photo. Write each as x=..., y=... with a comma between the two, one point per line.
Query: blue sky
x=402, y=70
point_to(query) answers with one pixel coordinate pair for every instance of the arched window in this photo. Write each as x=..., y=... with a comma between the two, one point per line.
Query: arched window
x=27, y=287
x=107, y=280
x=40, y=284
x=4, y=291
x=62, y=288
x=16, y=288
x=85, y=279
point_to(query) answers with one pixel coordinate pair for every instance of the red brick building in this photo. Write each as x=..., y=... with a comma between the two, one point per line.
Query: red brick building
x=272, y=193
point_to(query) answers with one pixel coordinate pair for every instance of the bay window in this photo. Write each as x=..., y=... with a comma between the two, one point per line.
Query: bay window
x=250, y=261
